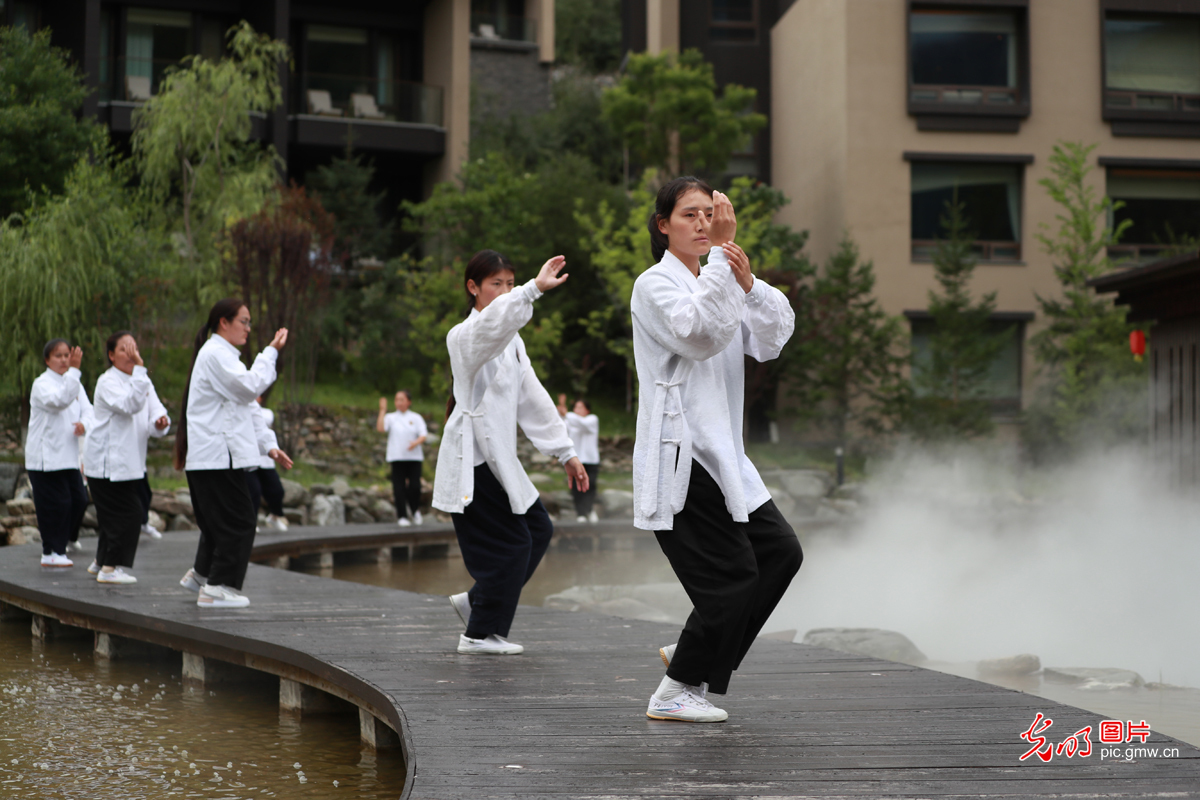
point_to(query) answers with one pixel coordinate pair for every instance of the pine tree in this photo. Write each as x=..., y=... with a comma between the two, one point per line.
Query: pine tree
x=343, y=189
x=850, y=364
x=950, y=379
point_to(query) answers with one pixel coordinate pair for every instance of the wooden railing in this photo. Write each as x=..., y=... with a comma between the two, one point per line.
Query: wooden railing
x=923, y=250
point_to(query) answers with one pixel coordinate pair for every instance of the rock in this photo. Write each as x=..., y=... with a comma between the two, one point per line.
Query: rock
x=850, y=491
x=616, y=503
x=29, y=520
x=10, y=522
x=658, y=602
x=783, y=501
x=340, y=487
x=539, y=458
x=9, y=473
x=90, y=519
x=20, y=507
x=296, y=516
x=867, y=642
x=550, y=502
x=1024, y=664
x=180, y=522
x=328, y=509
x=26, y=534
x=319, y=488
x=361, y=516
x=351, y=502
x=805, y=484
x=383, y=511
x=154, y=520
x=169, y=506
x=1094, y=680
x=540, y=477
x=293, y=493
x=184, y=498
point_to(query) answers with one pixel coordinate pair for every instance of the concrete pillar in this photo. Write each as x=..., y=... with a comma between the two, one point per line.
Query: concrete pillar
x=326, y=561
x=384, y=555
x=375, y=733
x=281, y=562
x=193, y=669
x=42, y=628
x=662, y=26
x=542, y=13
x=106, y=646
x=301, y=699
x=447, y=64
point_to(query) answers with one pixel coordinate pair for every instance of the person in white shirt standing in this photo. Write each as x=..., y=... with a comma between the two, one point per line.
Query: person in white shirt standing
x=264, y=482
x=584, y=429
x=59, y=413
x=155, y=411
x=216, y=443
x=693, y=485
x=503, y=528
x=406, y=433
x=115, y=457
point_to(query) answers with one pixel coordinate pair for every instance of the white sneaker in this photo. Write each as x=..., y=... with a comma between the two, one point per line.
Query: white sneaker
x=593, y=517
x=94, y=568
x=687, y=706
x=57, y=560
x=416, y=518
x=118, y=575
x=151, y=531
x=74, y=547
x=278, y=523
x=666, y=654
x=221, y=597
x=193, y=582
x=462, y=606
x=581, y=518
x=491, y=646
x=403, y=522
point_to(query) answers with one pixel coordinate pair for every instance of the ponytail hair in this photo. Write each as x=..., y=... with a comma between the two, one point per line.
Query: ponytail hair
x=226, y=309
x=664, y=205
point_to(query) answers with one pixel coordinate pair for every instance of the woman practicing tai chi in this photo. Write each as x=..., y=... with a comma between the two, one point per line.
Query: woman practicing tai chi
x=59, y=414
x=693, y=485
x=503, y=528
x=115, y=457
x=216, y=443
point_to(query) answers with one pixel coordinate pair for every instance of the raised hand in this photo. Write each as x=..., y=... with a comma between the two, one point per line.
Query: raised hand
x=548, y=277
x=280, y=338
x=383, y=404
x=76, y=357
x=131, y=350
x=723, y=226
x=739, y=262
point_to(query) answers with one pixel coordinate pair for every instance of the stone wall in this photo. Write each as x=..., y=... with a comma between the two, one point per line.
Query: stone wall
x=507, y=80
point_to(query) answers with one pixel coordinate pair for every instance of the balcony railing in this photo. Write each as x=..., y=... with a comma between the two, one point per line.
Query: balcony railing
x=964, y=95
x=923, y=250
x=132, y=79
x=358, y=98
x=1151, y=101
x=501, y=27
x=1135, y=255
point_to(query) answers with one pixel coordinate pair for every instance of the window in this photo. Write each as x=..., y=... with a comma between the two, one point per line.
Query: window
x=1163, y=206
x=733, y=21
x=991, y=194
x=356, y=72
x=1002, y=388
x=963, y=58
x=1152, y=63
x=502, y=19
x=154, y=40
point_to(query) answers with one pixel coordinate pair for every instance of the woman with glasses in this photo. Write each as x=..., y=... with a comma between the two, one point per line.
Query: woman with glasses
x=216, y=443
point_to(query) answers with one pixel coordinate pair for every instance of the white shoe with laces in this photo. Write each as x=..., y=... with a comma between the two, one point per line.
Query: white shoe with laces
x=151, y=531
x=118, y=575
x=93, y=568
x=221, y=597
x=462, y=606
x=57, y=560
x=193, y=582
x=491, y=646
x=74, y=547
x=687, y=706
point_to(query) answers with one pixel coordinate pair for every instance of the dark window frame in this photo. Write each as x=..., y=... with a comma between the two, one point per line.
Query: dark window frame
x=752, y=25
x=1017, y=159
x=1142, y=253
x=952, y=117
x=1145, y=122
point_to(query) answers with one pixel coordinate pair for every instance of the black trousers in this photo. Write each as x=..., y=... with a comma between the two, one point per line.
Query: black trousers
x=60, y=502
x=585, y=501
x=119, y=516
x=406, y=486
x=734, y=573
x=146, y=496
x=221, y=501
x=263, y=482
x=501, y=550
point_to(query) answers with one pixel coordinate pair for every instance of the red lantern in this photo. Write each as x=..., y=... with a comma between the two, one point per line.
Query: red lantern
x=1137, y=344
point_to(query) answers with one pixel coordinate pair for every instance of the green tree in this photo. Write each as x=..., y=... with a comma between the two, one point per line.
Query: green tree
x=668, y=114
x=950, y=377
x=42, y=135
x=1094, y=391
x=587, y=33
x=849, y=366
x=74, y=267
x=343, y=187
x=191, y=141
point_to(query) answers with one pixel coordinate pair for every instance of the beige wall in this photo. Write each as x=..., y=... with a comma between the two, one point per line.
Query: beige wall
x=840, y=127
x=448, y=65
x=662, y=26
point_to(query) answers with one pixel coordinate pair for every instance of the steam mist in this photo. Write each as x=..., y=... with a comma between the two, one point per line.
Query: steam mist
x=1101, y=568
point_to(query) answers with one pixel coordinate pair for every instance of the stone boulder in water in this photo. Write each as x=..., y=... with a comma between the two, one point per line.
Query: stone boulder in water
x=1094, y=680
x=872, y=642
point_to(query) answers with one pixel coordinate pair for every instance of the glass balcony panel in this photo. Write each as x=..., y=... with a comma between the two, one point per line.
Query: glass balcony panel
x=353, y=96
x=504, y=27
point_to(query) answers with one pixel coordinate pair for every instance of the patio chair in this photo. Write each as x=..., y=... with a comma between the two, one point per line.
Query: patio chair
x=488, y=32
x=321, y=104
x=137, y=88
x=364, y=107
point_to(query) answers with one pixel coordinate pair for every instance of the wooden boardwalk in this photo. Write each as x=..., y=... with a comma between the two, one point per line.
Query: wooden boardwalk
x=566, y=719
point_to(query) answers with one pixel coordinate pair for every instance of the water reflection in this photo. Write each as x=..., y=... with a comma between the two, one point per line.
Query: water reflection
x=74, y=727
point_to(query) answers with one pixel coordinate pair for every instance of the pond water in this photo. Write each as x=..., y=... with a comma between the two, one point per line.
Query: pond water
x=78, y=727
